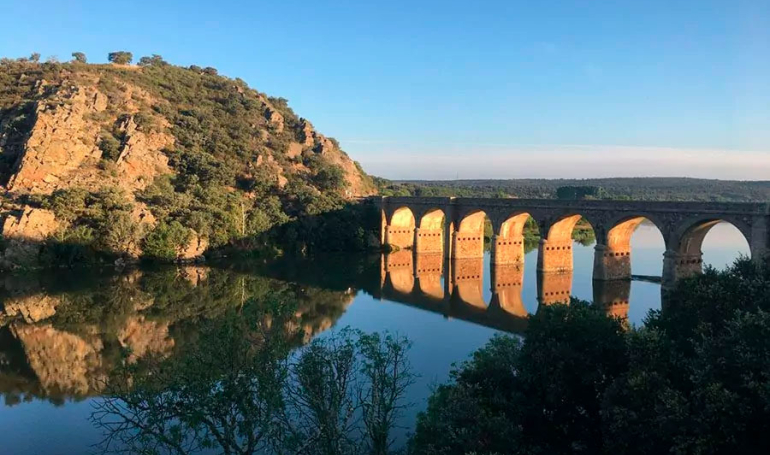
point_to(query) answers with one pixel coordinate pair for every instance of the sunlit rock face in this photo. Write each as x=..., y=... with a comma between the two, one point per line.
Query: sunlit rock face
x=23, y=234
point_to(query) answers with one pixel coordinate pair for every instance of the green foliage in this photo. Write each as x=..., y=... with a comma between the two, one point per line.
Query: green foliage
x=580, y=192
x=110, y=146
x=165, y=240
x=34, y=57
x=120, y=233
x=120, y=57
x=155, y=59
x=648, y=189
x=695, y=379
x=79, y=57
x=326, y=177
x=94, y=224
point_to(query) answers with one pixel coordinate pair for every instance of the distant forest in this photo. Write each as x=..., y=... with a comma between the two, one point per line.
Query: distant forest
x=652, y=189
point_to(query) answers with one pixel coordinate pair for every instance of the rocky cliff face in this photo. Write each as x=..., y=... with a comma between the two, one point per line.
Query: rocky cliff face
x=90, y=127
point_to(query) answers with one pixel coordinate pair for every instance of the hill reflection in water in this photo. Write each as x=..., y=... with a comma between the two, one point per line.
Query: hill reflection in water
x=59, y=339
x=61, y=334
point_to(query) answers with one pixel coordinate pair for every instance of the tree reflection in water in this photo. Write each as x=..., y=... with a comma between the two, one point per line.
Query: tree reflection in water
x=242, y=388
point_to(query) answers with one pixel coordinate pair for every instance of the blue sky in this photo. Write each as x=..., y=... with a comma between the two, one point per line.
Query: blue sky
x=444, y=89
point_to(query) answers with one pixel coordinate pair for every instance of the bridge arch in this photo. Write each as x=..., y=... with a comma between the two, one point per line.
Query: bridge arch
x=432, y=218
x=472, y=222
x=617, y=231
x=429, y=234
x=612, y=258
x=400, y=226
x=555, y=250
x=688, y=236
x=684, y=254
x=468, y=238
x=508, y=241
x=402, y=217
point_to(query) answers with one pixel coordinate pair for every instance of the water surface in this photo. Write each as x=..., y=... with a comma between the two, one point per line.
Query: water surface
x=61, y=334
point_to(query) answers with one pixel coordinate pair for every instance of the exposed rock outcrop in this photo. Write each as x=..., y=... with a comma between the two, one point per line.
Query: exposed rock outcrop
x=194, y=249
x=23, y=234
x=141, y=156
x=61, y=140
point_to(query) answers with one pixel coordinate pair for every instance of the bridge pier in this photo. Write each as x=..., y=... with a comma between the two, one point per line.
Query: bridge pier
x=467, y=245
x=398, y=269
x=507, y=250
x=428, y=240
x=554, y=287
x=400, y=237
x=677, y=265
x=427, y=272
x=612, y=263
x=554, y=256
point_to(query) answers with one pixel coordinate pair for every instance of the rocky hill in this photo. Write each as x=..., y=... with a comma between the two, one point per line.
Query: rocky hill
x=123, y=161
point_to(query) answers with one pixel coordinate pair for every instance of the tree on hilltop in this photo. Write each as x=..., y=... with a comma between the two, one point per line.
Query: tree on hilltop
x=120, y=57
x=155, y=60
x=79, y=57
x=35, y=57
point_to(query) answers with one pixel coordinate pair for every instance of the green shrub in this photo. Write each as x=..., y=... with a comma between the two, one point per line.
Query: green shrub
x=165, y=240
x=110, y=147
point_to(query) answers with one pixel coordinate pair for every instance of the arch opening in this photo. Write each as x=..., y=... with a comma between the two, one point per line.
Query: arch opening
x=717, y=243
x=517, y=235
x=556, y=249
x=432, y=219
x=430, y=232
x=399, y=274
x=399, y=233
x=613, y=258
x=471, y=236
x=684, y=256
x=402, y=217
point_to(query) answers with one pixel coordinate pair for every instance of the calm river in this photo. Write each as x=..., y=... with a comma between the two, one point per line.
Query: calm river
x=61, y=335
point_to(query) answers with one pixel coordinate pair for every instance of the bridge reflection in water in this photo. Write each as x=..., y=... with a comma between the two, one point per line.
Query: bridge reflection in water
x=455, y=288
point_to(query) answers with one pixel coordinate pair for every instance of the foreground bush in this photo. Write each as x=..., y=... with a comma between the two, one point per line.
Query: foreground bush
x=695, y=379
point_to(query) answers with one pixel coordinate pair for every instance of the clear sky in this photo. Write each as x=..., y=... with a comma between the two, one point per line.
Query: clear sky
x=471, y=89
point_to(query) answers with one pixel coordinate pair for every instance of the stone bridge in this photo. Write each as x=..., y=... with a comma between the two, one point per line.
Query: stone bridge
x=454, y=227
